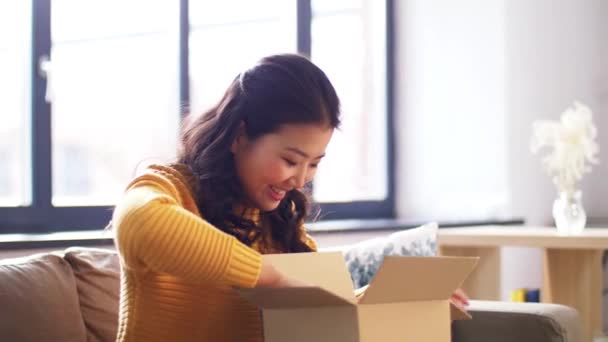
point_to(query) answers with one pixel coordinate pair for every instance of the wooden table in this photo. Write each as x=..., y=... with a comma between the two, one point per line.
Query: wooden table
x=572, y=273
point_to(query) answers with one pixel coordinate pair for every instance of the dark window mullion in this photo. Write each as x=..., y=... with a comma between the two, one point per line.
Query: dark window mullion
x=304, y=26
x=78, y=218
x=357, y=210
x=184, y=62
x=40, y=114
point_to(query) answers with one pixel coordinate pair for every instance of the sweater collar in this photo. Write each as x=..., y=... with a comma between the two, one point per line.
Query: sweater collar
x=248, y=213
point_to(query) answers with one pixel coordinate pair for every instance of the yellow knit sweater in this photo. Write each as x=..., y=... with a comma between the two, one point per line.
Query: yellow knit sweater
x=178, y=270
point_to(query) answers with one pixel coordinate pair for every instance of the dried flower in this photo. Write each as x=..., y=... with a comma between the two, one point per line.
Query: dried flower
x=573, y=142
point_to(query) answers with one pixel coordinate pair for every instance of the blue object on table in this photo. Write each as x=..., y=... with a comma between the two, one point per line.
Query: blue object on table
x=533, y=295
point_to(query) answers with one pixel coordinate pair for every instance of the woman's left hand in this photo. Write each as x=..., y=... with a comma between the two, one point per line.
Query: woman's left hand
x=460, y=299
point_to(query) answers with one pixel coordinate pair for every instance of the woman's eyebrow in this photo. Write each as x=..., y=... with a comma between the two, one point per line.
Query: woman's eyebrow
x=302, y=153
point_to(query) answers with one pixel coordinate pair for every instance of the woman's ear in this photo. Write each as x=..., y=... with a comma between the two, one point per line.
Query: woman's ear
x=240, y=140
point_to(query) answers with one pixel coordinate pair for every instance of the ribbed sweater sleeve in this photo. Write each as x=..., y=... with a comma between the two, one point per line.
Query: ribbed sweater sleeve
x=153, y=231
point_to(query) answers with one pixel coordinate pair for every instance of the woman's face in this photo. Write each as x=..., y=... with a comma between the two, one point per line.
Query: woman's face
x=273, y=164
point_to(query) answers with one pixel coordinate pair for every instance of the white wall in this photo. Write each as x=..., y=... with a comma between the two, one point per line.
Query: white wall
x=554, y=56
x=451, y=109
x=472, y=76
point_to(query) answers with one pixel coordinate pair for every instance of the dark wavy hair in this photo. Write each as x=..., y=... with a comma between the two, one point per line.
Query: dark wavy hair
x=278, y=90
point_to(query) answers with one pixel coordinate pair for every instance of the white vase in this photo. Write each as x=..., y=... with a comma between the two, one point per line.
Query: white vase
x=569, y=214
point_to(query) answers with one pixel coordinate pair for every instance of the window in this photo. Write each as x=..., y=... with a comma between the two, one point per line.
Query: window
x=224, y=41
x=358, y=71
x=104, y=85
x=114, y=94
x=14, y=95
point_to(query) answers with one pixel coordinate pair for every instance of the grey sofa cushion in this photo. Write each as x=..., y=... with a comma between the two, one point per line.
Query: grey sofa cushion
x=518, y=322
x=97, y=273
x=39, y=300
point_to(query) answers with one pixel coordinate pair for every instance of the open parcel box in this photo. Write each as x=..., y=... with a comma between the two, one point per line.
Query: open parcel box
x=408, y=300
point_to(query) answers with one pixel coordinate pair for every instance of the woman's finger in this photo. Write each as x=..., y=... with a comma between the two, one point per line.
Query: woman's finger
x=461, y=296
x=458, y=304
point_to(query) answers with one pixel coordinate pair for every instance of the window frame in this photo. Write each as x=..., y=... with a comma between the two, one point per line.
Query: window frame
x=41, y=216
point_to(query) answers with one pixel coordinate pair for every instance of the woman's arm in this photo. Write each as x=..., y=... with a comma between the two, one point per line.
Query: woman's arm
x=153, y=231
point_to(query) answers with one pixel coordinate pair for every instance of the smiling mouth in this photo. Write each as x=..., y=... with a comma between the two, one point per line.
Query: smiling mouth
x=277, y=193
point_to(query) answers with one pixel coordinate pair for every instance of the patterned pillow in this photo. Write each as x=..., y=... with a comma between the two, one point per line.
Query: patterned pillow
x=363, y=259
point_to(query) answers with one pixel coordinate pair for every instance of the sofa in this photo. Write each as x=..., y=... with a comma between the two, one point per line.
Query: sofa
x=73, y=295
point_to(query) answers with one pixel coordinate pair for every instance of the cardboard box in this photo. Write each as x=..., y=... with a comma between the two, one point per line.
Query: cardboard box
x=408, y=300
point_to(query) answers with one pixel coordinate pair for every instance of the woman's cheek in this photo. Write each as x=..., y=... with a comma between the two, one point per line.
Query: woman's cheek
x=278, y=172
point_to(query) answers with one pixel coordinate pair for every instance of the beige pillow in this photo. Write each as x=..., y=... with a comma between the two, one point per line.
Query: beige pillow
x=38, y=300
x=97, y=274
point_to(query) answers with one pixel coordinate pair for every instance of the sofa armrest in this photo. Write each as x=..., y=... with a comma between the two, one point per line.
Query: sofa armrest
x=521, y=322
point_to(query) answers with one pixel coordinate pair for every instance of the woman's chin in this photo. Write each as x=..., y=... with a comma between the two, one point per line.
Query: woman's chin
x=267, y=206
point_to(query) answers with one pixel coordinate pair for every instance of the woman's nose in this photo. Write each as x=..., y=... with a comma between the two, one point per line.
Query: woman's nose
x=299, y=179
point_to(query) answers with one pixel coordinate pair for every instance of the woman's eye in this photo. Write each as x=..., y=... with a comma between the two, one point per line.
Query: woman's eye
x=314, y=166
x=289, y=162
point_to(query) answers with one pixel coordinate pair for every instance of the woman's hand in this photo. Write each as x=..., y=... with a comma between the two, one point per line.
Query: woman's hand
x=460, y=299
x=271, y=277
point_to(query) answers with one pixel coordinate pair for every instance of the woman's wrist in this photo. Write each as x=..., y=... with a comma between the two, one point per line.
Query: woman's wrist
x=269, y=276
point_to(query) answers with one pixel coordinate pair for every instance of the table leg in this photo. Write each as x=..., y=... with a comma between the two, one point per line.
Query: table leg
x=573, y=277
x=484, y=282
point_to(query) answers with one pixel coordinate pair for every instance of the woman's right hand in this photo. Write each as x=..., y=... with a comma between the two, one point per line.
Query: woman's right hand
x=271, y=277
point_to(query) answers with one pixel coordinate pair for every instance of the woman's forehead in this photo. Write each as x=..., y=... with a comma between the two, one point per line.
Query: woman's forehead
x=311, y=139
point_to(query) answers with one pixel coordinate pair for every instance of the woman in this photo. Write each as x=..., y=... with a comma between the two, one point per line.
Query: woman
x=189, y=232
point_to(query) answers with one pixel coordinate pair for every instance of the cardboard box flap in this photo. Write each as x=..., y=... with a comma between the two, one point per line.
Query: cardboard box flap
x=457, y=313
x=293, y=297
x=325, y=270
x=402, y=279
